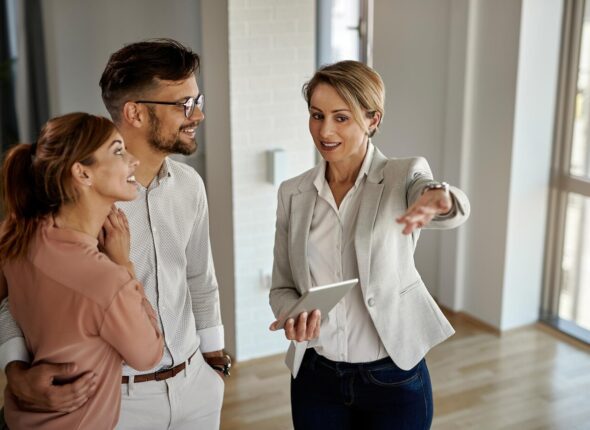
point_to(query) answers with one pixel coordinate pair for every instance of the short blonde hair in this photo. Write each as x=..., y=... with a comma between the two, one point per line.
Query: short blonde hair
x=360, y=87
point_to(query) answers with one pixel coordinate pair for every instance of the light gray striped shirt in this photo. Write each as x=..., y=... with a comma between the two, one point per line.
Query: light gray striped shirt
x=171, y=251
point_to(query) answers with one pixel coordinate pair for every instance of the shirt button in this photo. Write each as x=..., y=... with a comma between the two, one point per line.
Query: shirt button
x=341, y=356
x=371, y=302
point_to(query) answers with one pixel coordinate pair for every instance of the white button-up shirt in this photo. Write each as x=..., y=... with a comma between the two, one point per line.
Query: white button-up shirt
x=347, y=333
x=171, y=251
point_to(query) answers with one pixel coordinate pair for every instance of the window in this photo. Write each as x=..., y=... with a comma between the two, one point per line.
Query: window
x=344, y=30
x=566, y=303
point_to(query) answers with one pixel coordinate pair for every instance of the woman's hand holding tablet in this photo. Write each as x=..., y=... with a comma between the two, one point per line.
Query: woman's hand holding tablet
x=302, y=321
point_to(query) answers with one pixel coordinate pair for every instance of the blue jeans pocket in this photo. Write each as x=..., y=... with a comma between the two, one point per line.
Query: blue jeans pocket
x=392, y=376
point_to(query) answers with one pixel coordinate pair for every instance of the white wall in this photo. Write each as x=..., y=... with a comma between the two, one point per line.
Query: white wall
x=411, y=53
x=483, y=75
x=513, y=52
x=271, y=55
x=531, y=160
x=492, y=63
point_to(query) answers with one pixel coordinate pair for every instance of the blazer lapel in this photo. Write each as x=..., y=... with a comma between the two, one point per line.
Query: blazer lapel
x=302, y=206
x=366, y=216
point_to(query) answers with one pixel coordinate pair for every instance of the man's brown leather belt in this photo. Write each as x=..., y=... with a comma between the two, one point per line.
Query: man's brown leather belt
x=160, y=375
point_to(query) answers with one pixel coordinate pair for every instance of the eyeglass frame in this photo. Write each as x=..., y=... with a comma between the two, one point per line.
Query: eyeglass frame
x=189, y=108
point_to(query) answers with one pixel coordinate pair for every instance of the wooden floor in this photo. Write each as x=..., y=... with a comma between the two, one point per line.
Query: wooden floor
x=526, y=379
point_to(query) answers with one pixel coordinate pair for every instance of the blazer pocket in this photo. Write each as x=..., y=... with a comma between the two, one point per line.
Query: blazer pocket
x=411, y=287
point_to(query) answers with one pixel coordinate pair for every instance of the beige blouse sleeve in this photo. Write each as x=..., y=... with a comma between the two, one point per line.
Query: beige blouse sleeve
x=130, y=326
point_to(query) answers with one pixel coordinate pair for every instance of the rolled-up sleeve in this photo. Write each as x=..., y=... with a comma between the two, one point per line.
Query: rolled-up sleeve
x=201, y=279
x=12, y=341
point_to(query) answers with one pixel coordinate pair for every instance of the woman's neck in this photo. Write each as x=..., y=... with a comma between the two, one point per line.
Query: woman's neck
x=347, y=170
x=340, y=173
x=82, y=217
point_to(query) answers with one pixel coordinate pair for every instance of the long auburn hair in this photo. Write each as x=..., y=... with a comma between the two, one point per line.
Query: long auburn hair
x=37, y=180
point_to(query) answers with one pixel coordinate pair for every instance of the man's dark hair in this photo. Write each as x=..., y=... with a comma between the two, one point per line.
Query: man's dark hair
x=134, y=69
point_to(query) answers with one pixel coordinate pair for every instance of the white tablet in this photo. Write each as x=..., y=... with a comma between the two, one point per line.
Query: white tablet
x=324, y=298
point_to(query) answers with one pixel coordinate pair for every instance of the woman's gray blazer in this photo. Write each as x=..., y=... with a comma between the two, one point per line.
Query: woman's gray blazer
x=406, y=317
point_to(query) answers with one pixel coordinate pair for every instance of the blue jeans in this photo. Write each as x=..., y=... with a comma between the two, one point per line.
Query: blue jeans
x=345, y=396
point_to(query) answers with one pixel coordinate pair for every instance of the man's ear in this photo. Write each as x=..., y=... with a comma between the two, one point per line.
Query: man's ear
x=81, y=175
x=133, y=114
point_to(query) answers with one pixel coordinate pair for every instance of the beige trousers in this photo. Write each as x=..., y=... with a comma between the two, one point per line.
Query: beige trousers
x=190, y=400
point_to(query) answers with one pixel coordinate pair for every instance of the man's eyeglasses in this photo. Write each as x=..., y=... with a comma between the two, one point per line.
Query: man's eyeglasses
x=189, y=104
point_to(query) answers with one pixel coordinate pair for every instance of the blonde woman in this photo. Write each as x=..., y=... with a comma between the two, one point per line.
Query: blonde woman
x=358, y=214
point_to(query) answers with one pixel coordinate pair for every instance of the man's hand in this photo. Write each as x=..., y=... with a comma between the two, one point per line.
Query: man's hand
x=220, y=373
x=34, y=386
x=305, y=328
x=219, y=353
x=429, y=205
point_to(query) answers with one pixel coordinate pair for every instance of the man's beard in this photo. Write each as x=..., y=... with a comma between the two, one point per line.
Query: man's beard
x=171, y=146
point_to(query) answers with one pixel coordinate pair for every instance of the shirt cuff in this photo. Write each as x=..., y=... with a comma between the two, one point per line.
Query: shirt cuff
x=212, y=338
x=14, y=349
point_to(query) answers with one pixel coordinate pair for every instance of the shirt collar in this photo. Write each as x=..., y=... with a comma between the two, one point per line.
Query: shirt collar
x=320, y=178
x=164, y=171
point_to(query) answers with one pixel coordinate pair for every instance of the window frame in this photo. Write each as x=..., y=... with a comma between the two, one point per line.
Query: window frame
x=562, y=182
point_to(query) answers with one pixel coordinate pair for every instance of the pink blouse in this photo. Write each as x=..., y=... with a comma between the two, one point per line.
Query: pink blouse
x=74, y=304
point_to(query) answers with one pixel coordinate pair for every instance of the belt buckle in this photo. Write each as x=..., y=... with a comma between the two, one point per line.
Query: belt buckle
x=164, y=374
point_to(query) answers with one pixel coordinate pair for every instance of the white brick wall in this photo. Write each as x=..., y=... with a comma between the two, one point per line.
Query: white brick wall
x=272, y=51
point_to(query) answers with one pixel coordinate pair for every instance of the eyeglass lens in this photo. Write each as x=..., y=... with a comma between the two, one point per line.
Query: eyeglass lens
x=191, y=103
